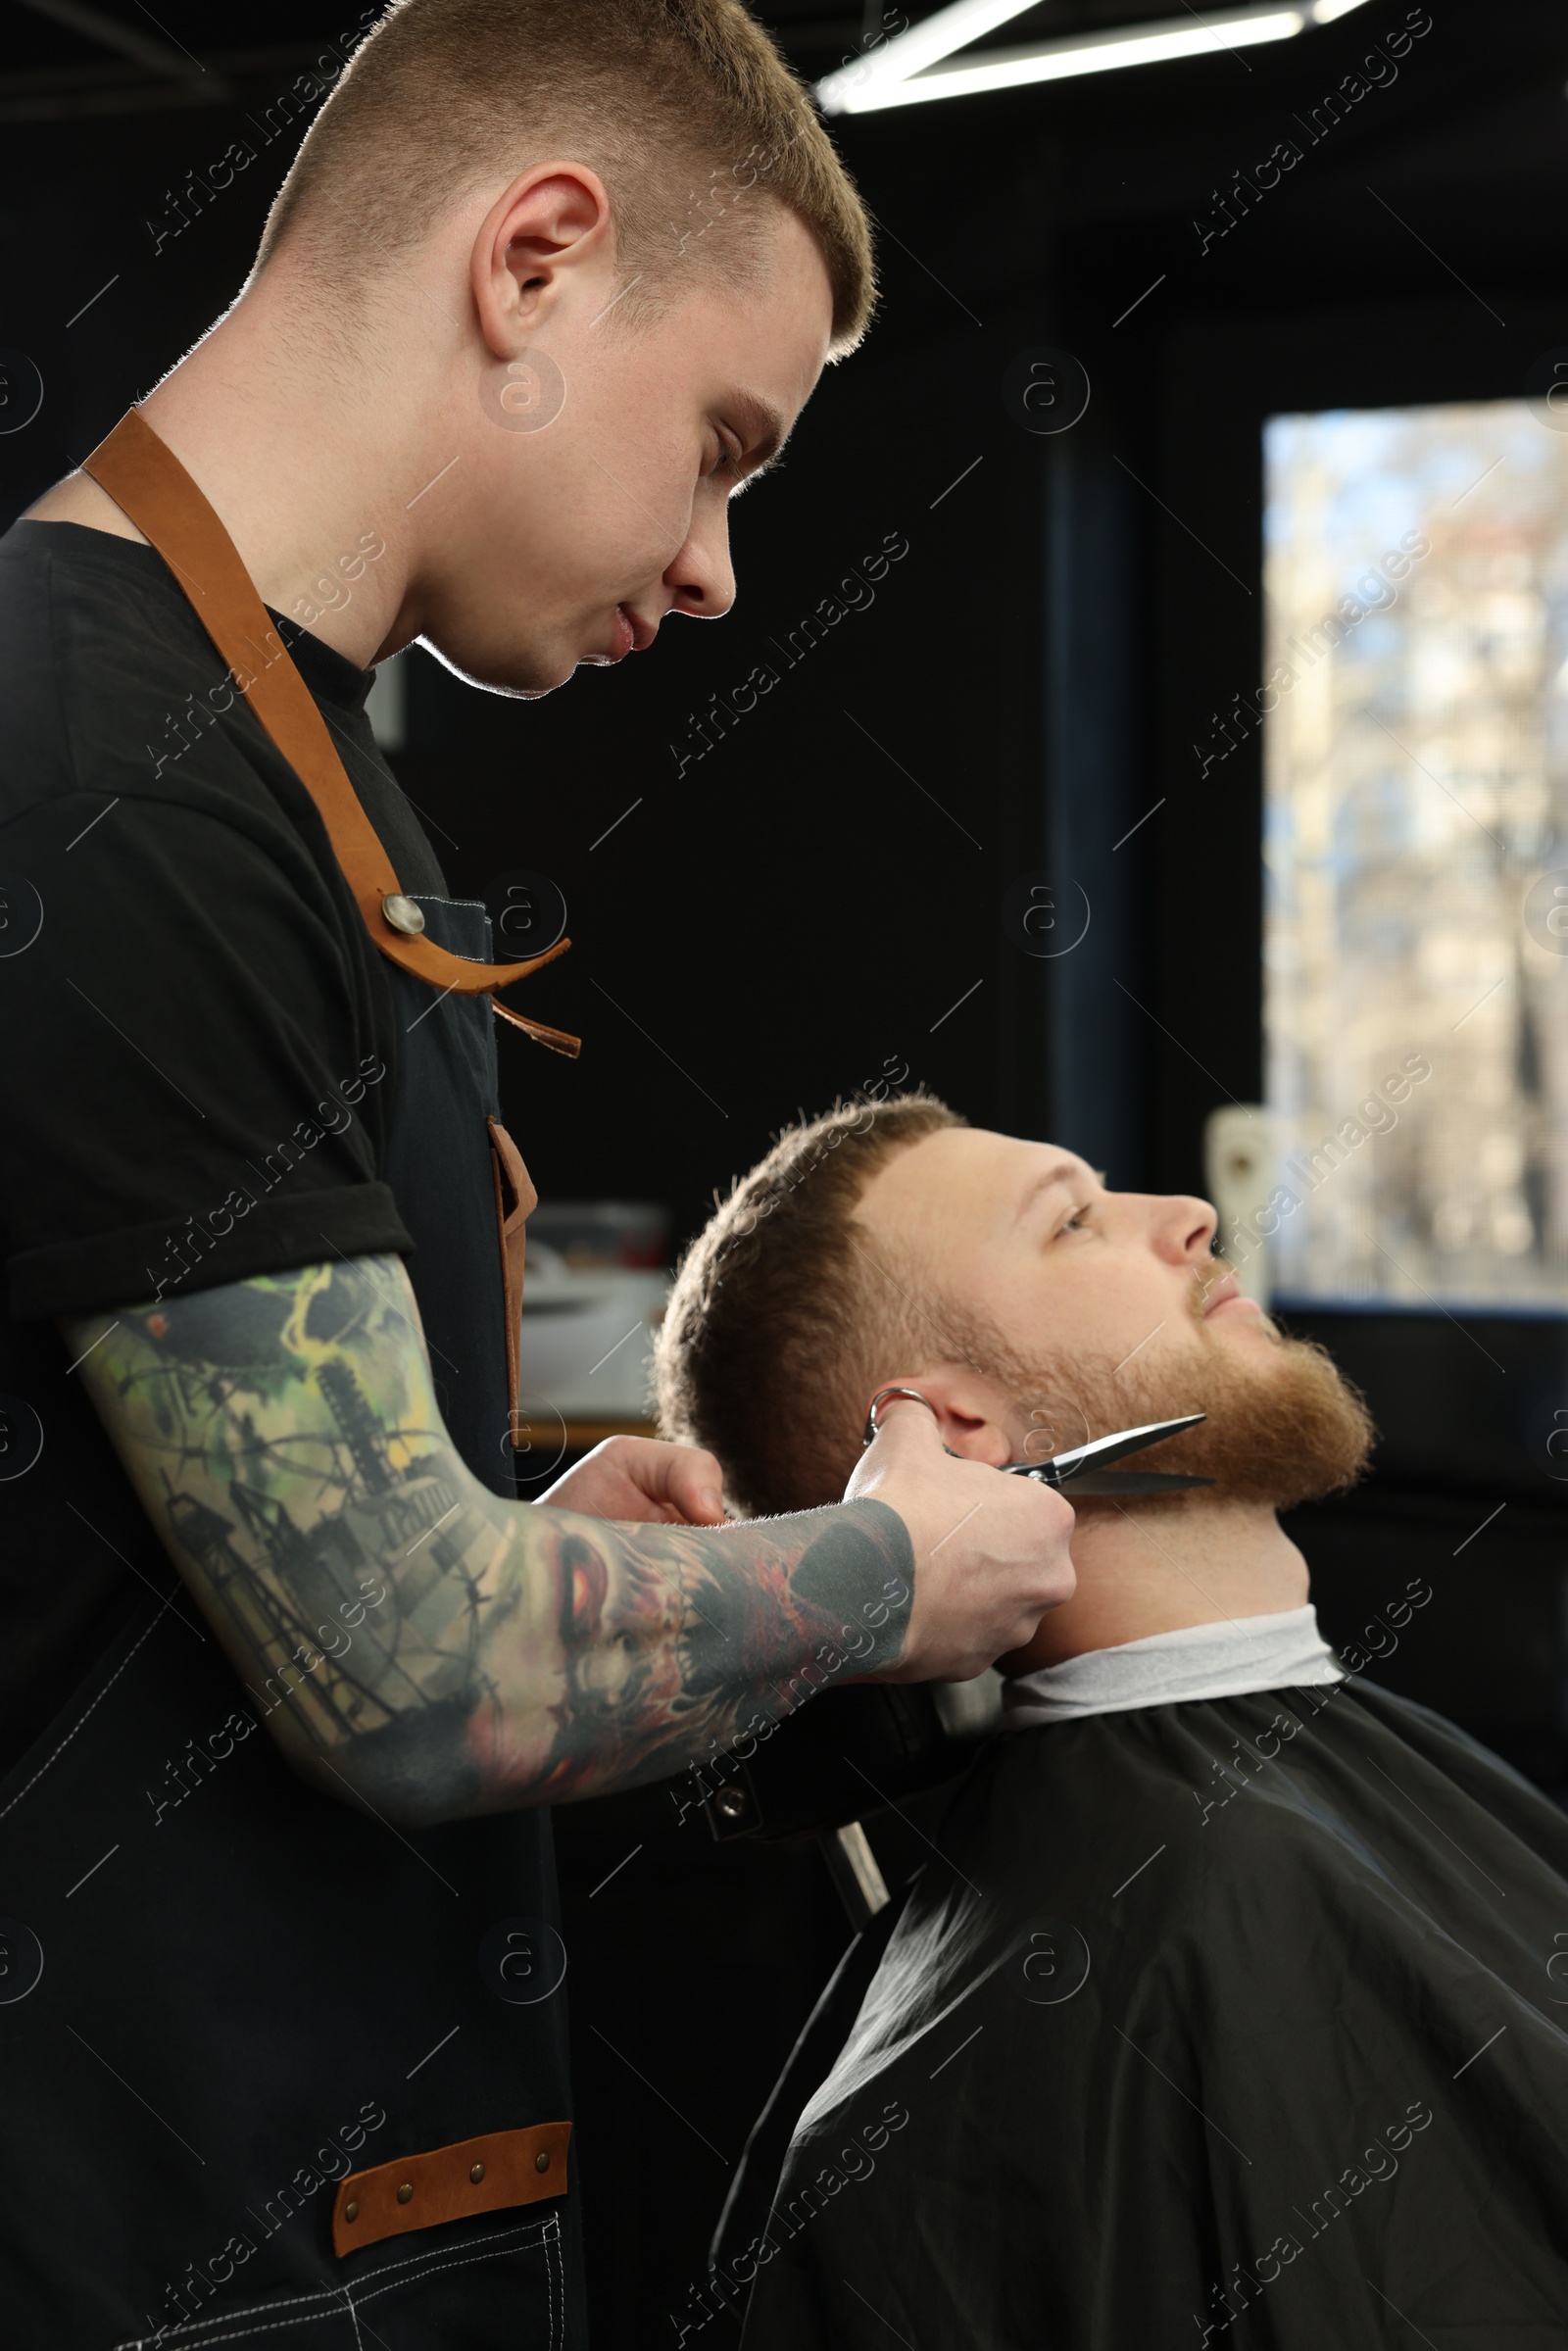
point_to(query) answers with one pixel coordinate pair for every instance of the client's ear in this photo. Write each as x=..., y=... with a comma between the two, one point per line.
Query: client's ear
x=970, y=1410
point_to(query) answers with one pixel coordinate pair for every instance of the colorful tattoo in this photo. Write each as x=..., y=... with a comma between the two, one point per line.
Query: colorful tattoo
x=445, y=1649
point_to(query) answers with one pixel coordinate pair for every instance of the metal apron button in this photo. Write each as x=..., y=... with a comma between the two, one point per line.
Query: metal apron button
x=402, y=914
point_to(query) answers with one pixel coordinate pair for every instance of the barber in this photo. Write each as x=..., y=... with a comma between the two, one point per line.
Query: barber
x=280, y=1959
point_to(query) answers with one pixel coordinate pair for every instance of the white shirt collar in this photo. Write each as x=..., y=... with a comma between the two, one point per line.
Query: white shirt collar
x=1199, y=1661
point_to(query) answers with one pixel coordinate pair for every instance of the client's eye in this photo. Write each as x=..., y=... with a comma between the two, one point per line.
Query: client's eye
x=1077, y=1222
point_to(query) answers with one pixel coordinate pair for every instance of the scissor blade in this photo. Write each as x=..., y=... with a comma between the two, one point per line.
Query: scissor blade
x=1128, y=1480
x=1104, y=1449
x=1105, y=1481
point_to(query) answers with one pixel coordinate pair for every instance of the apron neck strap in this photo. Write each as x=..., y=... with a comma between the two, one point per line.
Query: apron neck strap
x=146, y=480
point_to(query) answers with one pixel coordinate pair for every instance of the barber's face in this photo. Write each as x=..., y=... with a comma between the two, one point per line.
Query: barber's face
x=1027, y=1236
x=619, y=502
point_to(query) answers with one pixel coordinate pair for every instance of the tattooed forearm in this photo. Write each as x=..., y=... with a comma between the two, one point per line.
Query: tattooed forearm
x=444, y=1651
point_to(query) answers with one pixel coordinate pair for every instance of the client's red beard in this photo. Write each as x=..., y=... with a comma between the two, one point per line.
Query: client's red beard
x=1282, y=1429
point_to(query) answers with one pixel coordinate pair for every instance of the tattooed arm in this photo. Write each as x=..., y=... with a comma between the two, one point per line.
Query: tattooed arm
x=446, y=1652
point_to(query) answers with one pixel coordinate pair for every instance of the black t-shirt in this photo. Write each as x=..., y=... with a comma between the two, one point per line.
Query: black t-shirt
x=197, y=1042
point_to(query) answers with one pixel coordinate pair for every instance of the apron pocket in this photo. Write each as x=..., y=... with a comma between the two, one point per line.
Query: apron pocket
x=468, y=2294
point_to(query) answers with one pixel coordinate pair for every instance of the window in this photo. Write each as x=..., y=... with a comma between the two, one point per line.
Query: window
x=1416, y=852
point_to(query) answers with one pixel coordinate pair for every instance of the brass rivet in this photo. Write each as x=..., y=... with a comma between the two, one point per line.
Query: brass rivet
x=541, y=2162
x=476, y=2173
x=350, y=2211
x=405, y=2191
x=402, y=914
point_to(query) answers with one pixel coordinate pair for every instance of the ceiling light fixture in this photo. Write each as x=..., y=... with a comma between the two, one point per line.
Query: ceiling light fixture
x=914, y=68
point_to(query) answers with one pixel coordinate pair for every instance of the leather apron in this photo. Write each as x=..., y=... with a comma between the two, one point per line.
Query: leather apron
x=274, y=2071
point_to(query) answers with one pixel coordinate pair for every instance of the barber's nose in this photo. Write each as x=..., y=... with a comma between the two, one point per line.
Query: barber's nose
x=701, y=578
x=1183, y=1226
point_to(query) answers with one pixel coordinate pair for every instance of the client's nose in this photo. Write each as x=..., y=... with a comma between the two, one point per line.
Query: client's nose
x=1181, y=1226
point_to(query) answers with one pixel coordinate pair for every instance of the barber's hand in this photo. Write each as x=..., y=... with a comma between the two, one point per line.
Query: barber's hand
x=991, y=1551
x=642, y=1477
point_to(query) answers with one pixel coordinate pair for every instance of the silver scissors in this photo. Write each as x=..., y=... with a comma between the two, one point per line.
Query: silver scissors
x=1084, y=1469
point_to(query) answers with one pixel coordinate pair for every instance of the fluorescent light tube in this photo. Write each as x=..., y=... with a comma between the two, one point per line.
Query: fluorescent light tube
x=855, y=90
x=924, y=44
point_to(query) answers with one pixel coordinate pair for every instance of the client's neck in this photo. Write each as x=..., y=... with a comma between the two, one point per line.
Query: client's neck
x=1156, y=1568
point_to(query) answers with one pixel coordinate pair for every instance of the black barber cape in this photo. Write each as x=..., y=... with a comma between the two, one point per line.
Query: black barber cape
x=222, y=1993
x=1244, y=2018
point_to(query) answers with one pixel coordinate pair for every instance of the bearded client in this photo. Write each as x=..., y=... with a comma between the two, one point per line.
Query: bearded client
x=1223, y=2001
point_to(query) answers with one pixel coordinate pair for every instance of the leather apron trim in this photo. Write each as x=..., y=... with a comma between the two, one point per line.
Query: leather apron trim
x=516, y=1202
x=146, y=480
x=449, y=2184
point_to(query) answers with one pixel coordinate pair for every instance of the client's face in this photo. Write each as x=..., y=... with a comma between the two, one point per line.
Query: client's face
x=1084, y=1311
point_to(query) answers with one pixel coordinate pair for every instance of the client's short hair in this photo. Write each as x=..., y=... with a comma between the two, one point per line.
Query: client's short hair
x=783, y=1319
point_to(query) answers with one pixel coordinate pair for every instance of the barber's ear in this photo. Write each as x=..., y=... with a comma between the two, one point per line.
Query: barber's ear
x=553, y=216
x=970, y=1410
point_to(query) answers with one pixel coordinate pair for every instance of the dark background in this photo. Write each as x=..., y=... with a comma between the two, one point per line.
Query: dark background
x=821, y=895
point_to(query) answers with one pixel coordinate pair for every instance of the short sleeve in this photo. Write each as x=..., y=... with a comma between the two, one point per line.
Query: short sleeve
x=191, y=1087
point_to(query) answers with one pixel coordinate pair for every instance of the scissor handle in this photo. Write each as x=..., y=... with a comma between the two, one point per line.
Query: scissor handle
x=873, y=1425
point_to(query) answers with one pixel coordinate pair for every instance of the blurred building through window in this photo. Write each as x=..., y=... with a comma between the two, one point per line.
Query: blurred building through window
x=1416, y=852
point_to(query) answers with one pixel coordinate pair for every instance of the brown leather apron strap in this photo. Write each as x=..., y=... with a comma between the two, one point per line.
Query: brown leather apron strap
x=146, y=480
x=503, y=2167
x=516, y=1202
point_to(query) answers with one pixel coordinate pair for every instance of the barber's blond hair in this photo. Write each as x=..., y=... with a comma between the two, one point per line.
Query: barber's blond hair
x=785, y=1312
x=691, y=115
